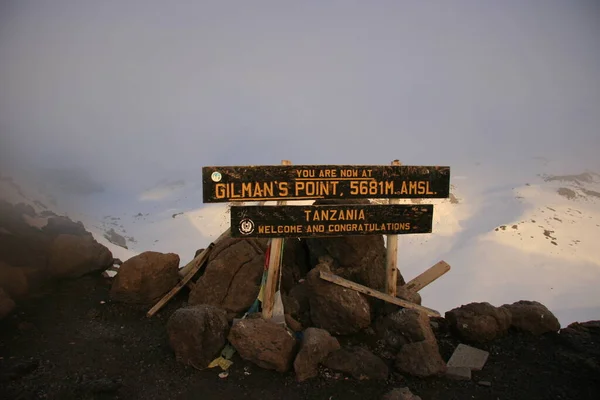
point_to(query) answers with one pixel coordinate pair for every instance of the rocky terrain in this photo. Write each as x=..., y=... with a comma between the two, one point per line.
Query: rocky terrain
x=68, y=330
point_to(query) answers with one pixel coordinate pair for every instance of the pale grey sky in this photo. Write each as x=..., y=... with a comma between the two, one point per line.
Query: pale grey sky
x=135, y=91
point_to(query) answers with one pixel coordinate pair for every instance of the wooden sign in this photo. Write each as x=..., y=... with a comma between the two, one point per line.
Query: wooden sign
x=304, y=182
x=330, y=220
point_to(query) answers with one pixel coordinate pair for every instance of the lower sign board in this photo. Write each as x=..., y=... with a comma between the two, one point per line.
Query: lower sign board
x=330, y=220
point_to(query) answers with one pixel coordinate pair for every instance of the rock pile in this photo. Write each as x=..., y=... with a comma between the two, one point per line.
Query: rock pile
x=322, y=319
x=38, y=250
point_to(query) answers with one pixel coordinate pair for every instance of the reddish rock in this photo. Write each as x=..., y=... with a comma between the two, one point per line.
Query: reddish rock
x=145, y=278
x=197, y=334
x=316, y=345
x=73, y=256
x=336, y=309
x=232, y=276
x=532, y=317
x=479, y=322
x=404, y=326
x=264, y=343
x=359, y=363
x=421, y=359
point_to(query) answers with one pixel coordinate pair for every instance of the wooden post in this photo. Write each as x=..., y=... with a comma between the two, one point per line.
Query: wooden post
x=273, y=269
x=391, y=276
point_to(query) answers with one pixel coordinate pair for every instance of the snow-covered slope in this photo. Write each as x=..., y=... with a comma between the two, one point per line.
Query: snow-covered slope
x=536, y=240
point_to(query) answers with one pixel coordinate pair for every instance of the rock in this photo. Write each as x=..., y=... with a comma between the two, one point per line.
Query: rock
x=294, y=325
x=408, y=295
x=360, y=259
x=145, y=278
x=295, y=263
x=336, y=309
x=290, y=305
x=197, y=334
x=400, y=394
x=582, y=338
x=420, y=359
x=56, y=226
x=315, y=347
x=197, y=253
x=532, y=317
x=232, y=276
x=264, y=343
x=357, y=362
x=7, y=305
x=479, y=322
x=404, y=326
x=299, y=295
x=73, y=256
x=14, y=281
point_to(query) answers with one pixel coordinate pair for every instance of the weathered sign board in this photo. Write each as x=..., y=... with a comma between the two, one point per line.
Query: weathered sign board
x=330, y=220
x=302, y=182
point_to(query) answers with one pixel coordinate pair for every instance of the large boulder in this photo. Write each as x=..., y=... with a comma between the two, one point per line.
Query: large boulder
x=421, y=359
x=315, y=347
x=197, y=334
x=232, y=276
x=338, y=310
x=145, y=278
x=403, y=327
x=7, y=305
x=72, y=256
x=479, y=322
x=64, y=226
x=264, y=343
x=358, y=362
x=358, y=258
x=14, y=281
x=532, y=317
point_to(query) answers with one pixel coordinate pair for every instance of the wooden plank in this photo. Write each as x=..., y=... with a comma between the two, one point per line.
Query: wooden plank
x=183, y=282
x=373, y=293
x=330, y=220
x=428, y=276
x=391, y=274
x=287, y=182
x=273, y=270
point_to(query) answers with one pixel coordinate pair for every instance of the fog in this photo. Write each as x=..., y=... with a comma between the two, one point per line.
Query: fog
x=126, y=94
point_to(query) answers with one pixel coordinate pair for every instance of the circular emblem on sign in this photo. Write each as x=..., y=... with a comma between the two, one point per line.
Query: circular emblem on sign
x=216, y=176
x=246, y=226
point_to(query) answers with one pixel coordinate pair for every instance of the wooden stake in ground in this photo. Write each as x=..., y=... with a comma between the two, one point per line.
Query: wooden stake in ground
x=197, y=262
x=428, y=276
x=273, y=269
x=373, y=293
x=391, y=276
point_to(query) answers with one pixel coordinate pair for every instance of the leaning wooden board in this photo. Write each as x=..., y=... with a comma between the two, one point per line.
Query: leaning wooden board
x=428, y=276
x=374, y=293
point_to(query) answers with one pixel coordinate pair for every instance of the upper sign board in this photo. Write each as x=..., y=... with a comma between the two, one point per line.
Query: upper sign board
x=310, y=182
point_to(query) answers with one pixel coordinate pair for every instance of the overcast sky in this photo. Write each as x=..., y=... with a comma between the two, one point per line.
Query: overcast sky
x=132, y=92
